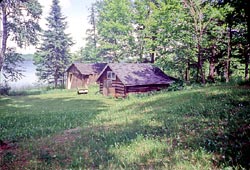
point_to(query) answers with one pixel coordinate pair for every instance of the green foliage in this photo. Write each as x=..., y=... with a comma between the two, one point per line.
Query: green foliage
x=4, y=88
x=177, y=85
x=12, y=70
x=115, y=29
x=198, y=128
x=245, y=82
x=23, y=25
x=90, y=52
x=52, y=58
x=19, y=23
x=193, y=40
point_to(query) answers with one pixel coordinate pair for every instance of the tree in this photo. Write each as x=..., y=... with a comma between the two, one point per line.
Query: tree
x=90, y=51
x=145, y=30
x=19, y=23
x=115, y=29
x=52, y=57
x=202, y=14
x=174, y=39
x=242, y=15
x=194, y=39
x=12, y=69
x=92, y=38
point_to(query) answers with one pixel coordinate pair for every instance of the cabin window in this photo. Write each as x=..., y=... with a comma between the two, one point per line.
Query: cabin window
x=111, y=75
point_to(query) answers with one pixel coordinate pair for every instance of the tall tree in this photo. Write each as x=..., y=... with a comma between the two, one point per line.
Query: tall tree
x=202, y=14
x=92, y=32
x=52, y=57
x=242, y=14
x=174, y=39
x=19, y=22
x=145, y=31
x=90, y=51
x=115, y=29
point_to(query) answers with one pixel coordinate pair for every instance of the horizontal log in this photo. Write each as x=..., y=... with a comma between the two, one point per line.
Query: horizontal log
x=117, y=85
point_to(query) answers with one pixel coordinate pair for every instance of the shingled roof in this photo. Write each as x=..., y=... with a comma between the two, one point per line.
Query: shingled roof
x=87, y=69
x=132, y=74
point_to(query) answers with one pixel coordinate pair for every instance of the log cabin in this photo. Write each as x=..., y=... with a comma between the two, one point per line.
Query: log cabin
x=80, y=75
x=120, y=79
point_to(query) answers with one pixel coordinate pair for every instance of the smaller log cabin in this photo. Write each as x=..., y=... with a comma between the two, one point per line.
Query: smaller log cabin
x=80, y=75
x=120, y=79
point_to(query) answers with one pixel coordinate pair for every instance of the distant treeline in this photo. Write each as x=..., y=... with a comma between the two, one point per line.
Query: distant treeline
x=28, y=56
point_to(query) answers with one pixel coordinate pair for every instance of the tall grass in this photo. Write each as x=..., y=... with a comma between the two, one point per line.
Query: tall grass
x=197, y=128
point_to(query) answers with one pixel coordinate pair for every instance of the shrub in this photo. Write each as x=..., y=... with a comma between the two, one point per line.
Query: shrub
x=244, y=83
x=178, y=85
x=4, y=89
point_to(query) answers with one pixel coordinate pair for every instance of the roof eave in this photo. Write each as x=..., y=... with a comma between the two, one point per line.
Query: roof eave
x=99, y=76
x=75, y=67
x=129, y=85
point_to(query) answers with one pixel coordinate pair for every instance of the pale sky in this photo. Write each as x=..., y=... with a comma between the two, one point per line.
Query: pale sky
x=77, y=14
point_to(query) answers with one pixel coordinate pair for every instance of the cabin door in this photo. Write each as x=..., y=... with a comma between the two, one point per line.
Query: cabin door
x=107, y=88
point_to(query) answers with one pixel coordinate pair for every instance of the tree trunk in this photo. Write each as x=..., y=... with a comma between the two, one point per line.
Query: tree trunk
x=200, y=73
x=56, y=78
x=212, y=66
x=229, y=53
x=187, y=72
x=247, y=11
x=141, y=53
x=4, y=37
x=56, y=81
x=153, y=53
x=247, y=64
x=152, y=57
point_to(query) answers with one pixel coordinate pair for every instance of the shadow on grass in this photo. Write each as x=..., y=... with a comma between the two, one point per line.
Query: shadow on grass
x=217, y=122
x=33, y=118
x=25, y=92
x=232, y=141
x=97, y=142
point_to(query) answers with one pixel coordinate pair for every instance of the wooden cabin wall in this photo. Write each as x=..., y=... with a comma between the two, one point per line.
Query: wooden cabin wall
x=116, y=84
x=119, y=87
x=102, y=79
x=101, y=87
x=145, y=88
x=78, y=80
x=75, y=79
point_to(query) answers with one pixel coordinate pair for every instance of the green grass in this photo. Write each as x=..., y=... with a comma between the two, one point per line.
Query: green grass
x=200, y=128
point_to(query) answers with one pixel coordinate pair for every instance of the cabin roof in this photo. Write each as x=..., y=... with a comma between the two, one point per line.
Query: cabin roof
x=87, y=69
x=132, y=74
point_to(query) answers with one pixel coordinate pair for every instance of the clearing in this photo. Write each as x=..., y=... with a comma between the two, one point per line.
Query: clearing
x=201, y=128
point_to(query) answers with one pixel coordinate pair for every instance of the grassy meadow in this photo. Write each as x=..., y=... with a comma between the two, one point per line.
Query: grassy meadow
x=197, y=128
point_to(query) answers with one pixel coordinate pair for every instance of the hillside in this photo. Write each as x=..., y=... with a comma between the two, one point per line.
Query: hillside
x=201, y=128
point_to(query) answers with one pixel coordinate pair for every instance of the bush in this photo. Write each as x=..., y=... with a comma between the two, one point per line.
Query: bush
x=244, y=83
x=178, y=85
x=4, y=89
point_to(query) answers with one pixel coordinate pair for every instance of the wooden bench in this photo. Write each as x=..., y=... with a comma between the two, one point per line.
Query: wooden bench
x=82, y=91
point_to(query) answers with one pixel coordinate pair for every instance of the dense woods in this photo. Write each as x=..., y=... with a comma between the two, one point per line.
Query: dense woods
x=194, y=40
